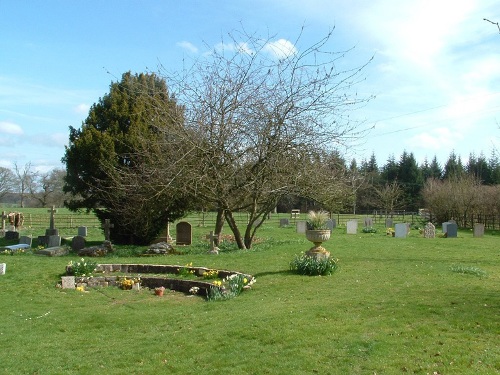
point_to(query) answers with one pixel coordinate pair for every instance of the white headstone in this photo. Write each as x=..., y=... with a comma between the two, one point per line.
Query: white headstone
x=478, y=230
x=301, y=227
x=3, y=267
x=352, y=227
x=444, y=226
x=401, y=230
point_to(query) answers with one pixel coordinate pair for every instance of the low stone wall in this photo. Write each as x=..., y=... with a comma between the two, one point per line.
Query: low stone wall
x=139, y=270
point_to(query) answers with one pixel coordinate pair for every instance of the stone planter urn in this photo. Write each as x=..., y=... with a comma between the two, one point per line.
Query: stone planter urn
x=318, y=236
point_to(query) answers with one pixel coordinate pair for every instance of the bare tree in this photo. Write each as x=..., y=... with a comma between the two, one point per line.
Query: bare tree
x=47, y=188
x=389, y=196
x=257, y=113
x=25, y=179
x=7, y=181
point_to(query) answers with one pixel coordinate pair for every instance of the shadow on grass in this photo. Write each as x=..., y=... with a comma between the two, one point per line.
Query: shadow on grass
x=274, y=273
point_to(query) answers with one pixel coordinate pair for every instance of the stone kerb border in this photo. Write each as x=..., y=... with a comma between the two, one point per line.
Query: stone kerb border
x=181, y=285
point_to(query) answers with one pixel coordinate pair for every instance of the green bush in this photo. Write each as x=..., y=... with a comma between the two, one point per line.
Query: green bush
x=313, y=266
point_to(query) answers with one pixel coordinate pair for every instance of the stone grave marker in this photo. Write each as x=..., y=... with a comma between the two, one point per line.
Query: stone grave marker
x=389, y=223
x=12, y=235
x=68, y=282
x=352, y=227
x=26, y=240
x=451, y=230
x=401, y=230
x=212, y=238
x=301, y=227
x=52, y=231
x=444, y=226
x=4, y=216
x=3, y=267
x=54, y=241
x=284, y=223
x=107, y=227
x=78, y=243
x=331, y=224
x=368, y=222
x=429, y=230
x=53, y=251
x=183, y=234
x=478, y=230
x=82, y=231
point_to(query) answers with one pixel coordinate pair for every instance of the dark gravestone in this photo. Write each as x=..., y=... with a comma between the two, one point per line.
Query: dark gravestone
x=11, y=235
x=284, y=222
x=183, y=234
x=389, y=223
x=451, y=230
x=77, y=243
x=82, y=231
x=54, y=241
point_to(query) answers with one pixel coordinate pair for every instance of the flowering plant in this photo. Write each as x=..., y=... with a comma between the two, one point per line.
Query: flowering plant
x=212, y=274
x=185, y=271
x=229, y=287
x=81, y=268
x=128, y=283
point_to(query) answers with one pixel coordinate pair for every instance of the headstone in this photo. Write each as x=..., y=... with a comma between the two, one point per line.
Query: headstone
x=107, y=226
x=284, y=223
x=368, y=222
x=295, y=214
x=78, y=243
x=429, y=230
x=212, y=238
x=331, y=224
x=3, y=267
x=82, y=231
x=54, y=241
x=401, y=230
x=183, y=234
x=389, y=223
x=452, y=230
x=478, y=230
x=26, y=240
x=52, y=224
x=444, y=226
x=12, y=235
x=68, y=282
x=301, y=227
x=352, y=227
x=4, y=216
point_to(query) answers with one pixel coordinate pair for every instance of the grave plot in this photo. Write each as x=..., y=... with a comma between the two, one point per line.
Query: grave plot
x=211, y=283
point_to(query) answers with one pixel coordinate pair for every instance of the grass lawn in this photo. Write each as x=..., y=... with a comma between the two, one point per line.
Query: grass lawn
x=394, y=306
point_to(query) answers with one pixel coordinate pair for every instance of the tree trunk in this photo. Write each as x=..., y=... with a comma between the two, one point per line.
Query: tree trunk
x=219, y=223
x=234, y=228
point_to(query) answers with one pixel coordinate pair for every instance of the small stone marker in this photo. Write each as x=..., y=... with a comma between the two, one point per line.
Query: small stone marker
x=107, y=226
x=26, y=240
x=212, y=237
x=389, y=223
x=451, y=230
x=54, y=241
x=78, y=243
x=331, y=224
x=82, y=231
x=478, y=230
x=429, y=230
x=301, y=227
x=401, y=230
x=284, y=223
x=4, y=216
x=3, y=267
x=53, y=251
x=352, y=227
x=368, y=222
x=183, y=234
x=444, y=226
x=68, y=282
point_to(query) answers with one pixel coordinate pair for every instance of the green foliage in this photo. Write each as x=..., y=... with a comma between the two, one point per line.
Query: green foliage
x=468, y=270
x=317, y=220
x=313, y=266
x=369, y=230
x=105, y=157
x=228, y=288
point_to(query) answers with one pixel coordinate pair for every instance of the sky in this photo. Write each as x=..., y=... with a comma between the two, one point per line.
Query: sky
x=435, y=73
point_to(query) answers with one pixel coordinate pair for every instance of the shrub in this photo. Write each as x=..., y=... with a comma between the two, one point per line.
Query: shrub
x=81, y=268
x=313, y=266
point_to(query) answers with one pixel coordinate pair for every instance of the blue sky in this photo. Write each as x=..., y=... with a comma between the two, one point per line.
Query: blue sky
x=435, y=72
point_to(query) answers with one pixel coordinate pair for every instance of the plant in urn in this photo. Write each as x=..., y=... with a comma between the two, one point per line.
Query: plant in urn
x=317, y=233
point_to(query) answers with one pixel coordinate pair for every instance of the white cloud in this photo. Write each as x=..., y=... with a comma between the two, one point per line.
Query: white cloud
x=82, y=108
x=10, y=128
x=188, y=46
x=281, y=48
